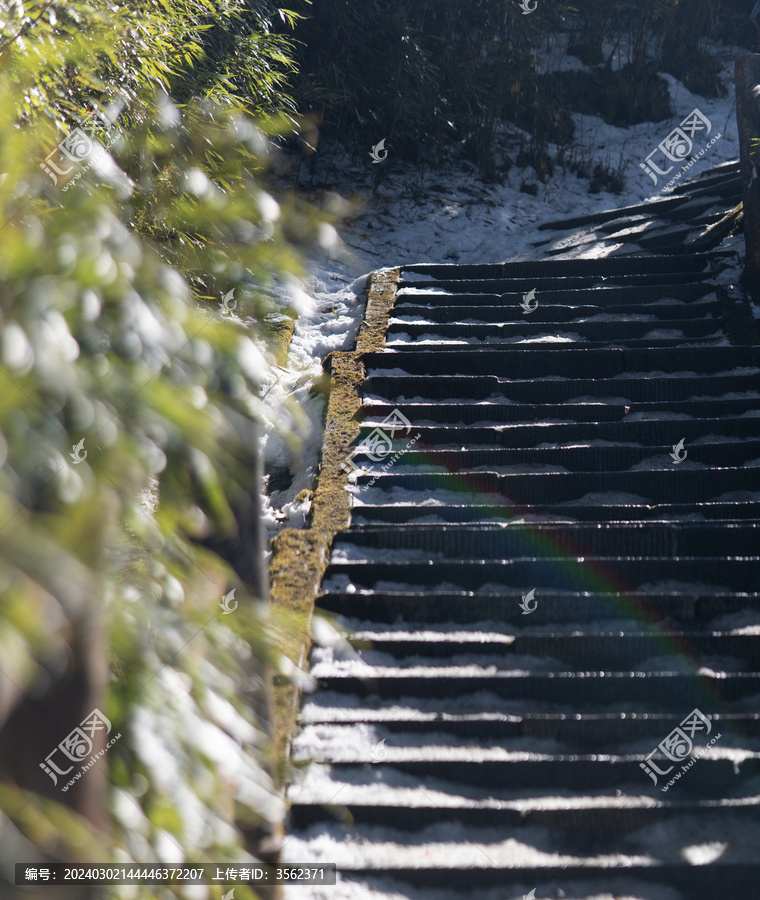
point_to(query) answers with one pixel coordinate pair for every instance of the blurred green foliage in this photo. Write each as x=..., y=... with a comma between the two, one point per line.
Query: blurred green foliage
x=113, y=263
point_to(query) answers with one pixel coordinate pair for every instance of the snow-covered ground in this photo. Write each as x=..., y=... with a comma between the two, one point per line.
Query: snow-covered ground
x=449, y=214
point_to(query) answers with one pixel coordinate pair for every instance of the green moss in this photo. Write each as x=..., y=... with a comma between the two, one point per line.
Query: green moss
x=300, y=557
x=278, y=331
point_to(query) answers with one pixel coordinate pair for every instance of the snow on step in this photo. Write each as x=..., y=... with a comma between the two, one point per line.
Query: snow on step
x=466, y=739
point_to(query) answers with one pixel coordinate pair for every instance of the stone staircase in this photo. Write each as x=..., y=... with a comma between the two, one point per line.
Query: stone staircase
x=552, y=585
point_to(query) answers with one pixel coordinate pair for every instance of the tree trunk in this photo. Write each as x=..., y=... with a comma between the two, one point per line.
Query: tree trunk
x=748, y=117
